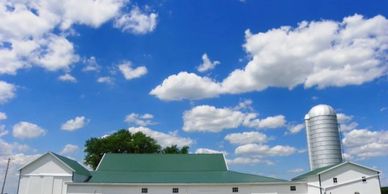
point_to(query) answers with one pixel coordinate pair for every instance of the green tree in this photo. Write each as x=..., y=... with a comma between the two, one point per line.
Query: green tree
x=123, y=141
x=175, y=150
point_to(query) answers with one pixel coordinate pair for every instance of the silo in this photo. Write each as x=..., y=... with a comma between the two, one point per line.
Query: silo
x=323, y=138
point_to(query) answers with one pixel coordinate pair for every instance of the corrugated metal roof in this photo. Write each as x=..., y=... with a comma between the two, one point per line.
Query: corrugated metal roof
x=162, y=162
x=170, y=168
x=78, y=168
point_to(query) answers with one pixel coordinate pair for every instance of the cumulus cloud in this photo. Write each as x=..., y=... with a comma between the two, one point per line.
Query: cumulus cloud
x=207, y=64
x=74, y=124
x=248, y=161
x=3, y=131
x=67, y=78
x=91, y=65
x=3, y=116
x=265, y=150
x=105, y=80
x=294, y=129
x=45, y=43
x=164, y=139
x=246, y=138
x=364, y=143
x=186, y=86
x=27, y=130
x=317, y=54
x=7, y=91
x=205, y=118
x=209, y=151
x=137, y=21
x=139, y=119
x=131, y=73
x=69, y=149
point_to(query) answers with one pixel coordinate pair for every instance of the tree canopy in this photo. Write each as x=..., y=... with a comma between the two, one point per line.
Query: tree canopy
x=123, y=141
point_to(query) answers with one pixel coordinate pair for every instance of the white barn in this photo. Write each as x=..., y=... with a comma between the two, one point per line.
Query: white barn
x=185, y=174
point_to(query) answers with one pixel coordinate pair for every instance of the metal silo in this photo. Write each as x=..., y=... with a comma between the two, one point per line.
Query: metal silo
x=323, y=139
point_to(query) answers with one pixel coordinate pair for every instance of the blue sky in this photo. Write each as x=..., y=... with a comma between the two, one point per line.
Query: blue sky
x=232, y=76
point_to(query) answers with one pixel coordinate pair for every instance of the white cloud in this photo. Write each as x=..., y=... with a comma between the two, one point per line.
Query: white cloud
x=248, y=161
x=186, y=86
x=3, y=131
x=45, y=43
x=139, y=119
x=244, y=105
x=67, y=78
x=105, y=79
x=294, y=129
x=7, y=91
x=314, y=54
x=265, y=150
x=296, y=170
x=207, y=64
x=137, y=21
x=91, y=65
x=209, y=151
x=74, y=124
x=27, y=130
x=246, y=138
x=343, y=118
x=205, y=118
x=69, y=149
x=3, y=116
x=132, y=73
x=364, y=143
x=164, y=139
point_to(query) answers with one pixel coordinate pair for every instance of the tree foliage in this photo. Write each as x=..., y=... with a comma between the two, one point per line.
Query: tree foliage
x=123, y=141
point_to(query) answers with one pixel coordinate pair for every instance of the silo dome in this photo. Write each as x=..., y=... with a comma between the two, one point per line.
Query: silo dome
x=321, y=109
x=323, y=138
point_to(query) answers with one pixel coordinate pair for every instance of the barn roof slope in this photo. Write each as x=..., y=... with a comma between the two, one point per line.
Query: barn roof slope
x=170, y=168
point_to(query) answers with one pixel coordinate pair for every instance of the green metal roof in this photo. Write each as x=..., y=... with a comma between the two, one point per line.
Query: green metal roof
x=78, y=168
x=162, y=162
x=313, y=172
x=178, y=177
x=169, y=168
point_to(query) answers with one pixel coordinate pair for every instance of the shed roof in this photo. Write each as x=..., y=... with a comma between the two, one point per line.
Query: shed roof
x=74, y=165
x=170, y=168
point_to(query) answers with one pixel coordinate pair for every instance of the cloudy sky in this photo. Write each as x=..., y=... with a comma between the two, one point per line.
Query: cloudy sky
x=235, y=77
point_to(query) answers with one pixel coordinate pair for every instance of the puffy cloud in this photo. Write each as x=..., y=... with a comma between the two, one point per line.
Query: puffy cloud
x=91, y=65
x=26, y=130
x=248, y=161
x=7, y=91
x=343, y=118
x=3, y=132
x=67, y=78
x=265, y=150
x=294, y=129
x=3, y=116
x=314, y=54
x=296, y=170
x=132, y=73
x=74, y=124
x=45, y=43
x=363, y=143
x=164, y=139
x=209, y=151
x=246, y=138
x=137, y=21
x=69, y=149
x=211, y=119
x=205, y=118
x=207, y=64
x=186, y=86
x=105, y=79
x=139, y=119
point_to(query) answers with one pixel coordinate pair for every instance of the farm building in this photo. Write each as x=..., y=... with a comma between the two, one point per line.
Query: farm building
x=186, y=174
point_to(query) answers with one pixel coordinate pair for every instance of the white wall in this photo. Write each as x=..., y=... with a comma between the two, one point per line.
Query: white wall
x=187, y=189
x=44, y=176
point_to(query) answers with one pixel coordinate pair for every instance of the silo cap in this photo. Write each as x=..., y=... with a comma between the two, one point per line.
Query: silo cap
x=321, y=109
